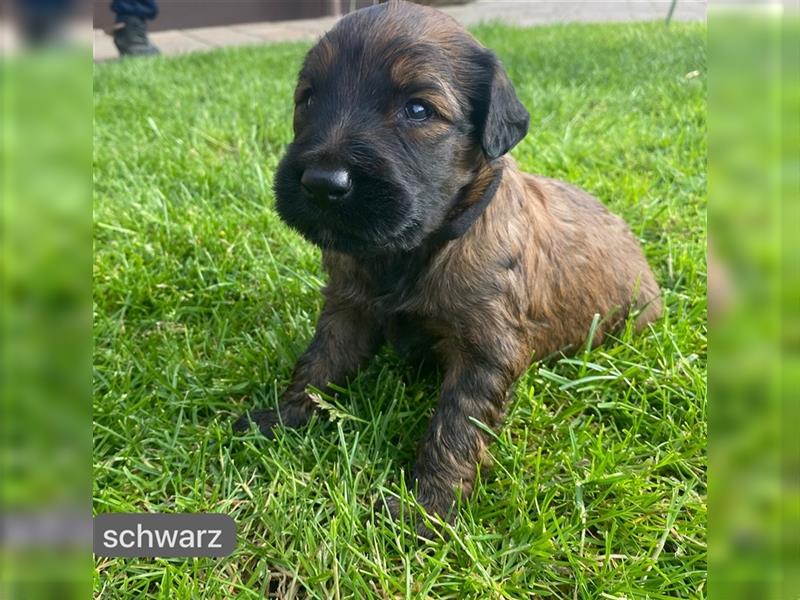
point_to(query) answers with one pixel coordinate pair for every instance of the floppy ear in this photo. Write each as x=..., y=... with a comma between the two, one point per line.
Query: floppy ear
x=500, y=118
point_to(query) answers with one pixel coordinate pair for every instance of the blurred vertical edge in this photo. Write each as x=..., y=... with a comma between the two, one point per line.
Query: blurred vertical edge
x=754, y=451
x=790, y=298
x=45, y=282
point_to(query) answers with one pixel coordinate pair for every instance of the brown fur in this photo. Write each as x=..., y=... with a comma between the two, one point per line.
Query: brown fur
x=524, y=282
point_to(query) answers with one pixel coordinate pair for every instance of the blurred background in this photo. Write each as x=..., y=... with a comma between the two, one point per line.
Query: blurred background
x=45, y=277
x=45, y=281
x=754, y=297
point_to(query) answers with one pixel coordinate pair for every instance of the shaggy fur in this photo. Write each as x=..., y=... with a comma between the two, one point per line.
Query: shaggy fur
x=441, y=247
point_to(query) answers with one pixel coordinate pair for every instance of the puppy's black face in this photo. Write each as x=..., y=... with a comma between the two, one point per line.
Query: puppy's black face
x=391, y=115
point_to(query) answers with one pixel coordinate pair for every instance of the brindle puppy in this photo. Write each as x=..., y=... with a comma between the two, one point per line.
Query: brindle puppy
x=431, y=237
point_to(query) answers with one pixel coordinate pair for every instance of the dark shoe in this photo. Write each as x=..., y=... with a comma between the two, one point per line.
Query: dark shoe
x=130, y=38
x=42, y=23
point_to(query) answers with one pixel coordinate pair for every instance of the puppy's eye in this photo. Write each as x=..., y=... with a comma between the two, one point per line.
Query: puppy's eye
x=306, y=98
x=417, y=110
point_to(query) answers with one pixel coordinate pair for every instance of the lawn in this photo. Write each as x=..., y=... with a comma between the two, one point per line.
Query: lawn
x=203, y=300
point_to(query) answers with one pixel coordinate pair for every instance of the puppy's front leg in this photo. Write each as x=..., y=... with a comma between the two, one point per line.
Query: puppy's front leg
x=345, y=338
x=475, y=386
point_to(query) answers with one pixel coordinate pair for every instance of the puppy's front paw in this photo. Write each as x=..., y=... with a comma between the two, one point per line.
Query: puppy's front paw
x=289, y=414
x=442, y=507
x=266, y=420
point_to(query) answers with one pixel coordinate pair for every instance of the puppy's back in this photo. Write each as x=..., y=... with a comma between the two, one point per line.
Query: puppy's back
x=594, y=249
x=569, y=258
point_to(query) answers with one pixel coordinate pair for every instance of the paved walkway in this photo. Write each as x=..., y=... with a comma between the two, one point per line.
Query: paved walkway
x=517, y=12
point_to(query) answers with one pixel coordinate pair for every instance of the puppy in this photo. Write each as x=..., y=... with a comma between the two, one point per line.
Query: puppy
x=431, y=237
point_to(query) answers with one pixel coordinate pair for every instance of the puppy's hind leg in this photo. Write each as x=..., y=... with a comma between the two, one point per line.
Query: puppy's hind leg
x=345, y=338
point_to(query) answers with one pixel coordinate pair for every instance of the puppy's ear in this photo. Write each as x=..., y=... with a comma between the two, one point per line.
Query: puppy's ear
x=500, y=119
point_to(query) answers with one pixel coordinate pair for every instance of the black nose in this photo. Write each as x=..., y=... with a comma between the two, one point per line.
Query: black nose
x=326, y=185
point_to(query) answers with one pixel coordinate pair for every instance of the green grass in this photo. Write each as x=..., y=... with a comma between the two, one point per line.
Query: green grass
x=203, y=300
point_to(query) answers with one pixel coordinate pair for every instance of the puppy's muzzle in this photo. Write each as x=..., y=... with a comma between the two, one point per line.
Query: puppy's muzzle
x=326, y=186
